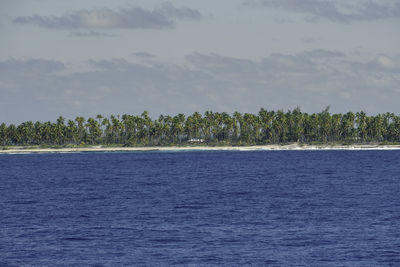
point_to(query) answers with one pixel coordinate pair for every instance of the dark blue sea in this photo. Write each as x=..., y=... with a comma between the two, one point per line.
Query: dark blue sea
x=262, y=208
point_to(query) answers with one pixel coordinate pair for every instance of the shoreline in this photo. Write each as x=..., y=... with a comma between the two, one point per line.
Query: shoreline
x=22, y=150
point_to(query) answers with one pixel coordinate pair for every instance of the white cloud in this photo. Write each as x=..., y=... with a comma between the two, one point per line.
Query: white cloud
x=91, y=34
x=141, y=54
x=203, y=82
x=160, y=17
x=386, y=62
x=336, y=11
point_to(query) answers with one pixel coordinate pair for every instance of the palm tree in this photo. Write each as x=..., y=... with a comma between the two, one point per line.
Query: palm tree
x=178, y=127
x=107, y=133
x=60, y=131
x=72, y=132
x=280, y=128
x=361, y=122
x=117, y=129
x=12, y=135
x=148, y=127
x=193, y=126
x=310, y=127
x=335, y=133
x=266, y=127
x=237, y=122
x=3, y=134
x=94, y=131
x=325, y=124
x=347, y=126
x=81, y=129
x=298, y=125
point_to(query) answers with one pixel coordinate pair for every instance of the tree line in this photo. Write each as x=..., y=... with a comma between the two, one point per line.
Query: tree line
x=212, y=128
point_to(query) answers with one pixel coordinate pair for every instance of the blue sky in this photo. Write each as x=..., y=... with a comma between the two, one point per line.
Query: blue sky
x=75, y=58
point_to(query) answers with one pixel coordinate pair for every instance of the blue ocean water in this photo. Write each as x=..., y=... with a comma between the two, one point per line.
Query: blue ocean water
x=263, y=208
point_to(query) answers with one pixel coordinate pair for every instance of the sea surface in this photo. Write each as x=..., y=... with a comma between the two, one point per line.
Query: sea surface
x=203, y=208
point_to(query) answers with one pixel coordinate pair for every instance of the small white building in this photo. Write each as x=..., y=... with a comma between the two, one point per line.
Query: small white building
x=196, y=140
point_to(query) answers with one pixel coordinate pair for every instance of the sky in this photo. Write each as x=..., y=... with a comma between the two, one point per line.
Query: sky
x=88, y=57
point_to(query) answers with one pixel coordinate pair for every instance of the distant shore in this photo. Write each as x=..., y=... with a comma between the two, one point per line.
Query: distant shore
x=15, y=150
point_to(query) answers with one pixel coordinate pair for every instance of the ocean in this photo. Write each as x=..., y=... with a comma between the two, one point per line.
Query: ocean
x=201, y=208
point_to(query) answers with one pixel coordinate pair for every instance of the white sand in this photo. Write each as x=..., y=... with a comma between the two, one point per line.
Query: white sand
x=14, y=150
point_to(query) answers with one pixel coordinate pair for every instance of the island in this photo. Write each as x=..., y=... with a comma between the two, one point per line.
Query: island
x=267, y=130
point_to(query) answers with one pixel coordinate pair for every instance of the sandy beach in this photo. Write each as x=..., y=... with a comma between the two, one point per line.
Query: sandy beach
x=15, y=150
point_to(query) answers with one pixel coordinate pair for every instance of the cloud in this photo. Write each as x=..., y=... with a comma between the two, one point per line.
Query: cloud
x=380, y=64
x=160, y=17
x=30, y=66
x=143, y=55
x=321, y=53
x=383, y=62
x=91, y=34
x=38, y=89
x=112, y=64
x=182, y=13
x=336, y=11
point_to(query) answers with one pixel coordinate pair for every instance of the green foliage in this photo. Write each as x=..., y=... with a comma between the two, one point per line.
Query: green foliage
x=212, y=129
x=388, y=143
